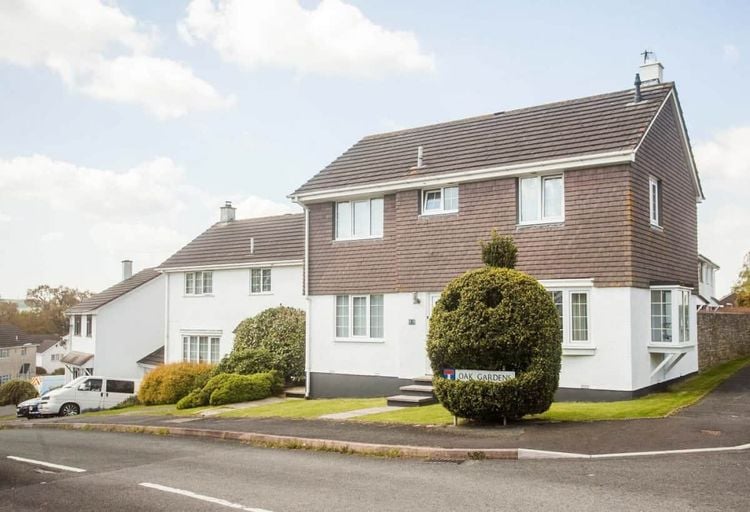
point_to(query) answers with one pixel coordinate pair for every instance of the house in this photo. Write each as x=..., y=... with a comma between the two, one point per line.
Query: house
x=707, y=283
x=729, y=300
x=112, y=330
x=49, y=353
x=17, y=354
x=234, y=270
x=599, y=193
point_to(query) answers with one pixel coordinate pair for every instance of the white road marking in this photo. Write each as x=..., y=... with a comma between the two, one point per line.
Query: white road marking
x=209, y=499
x=543, y=454
x=47, y=464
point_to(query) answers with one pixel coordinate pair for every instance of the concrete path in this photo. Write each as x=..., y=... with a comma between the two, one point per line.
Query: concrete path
x=357, y=413
x=241, y=405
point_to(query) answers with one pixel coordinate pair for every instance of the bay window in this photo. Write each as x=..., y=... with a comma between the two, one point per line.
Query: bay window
x=668, y=303
x=362, y=218
x=359, y=316
x=540, y=199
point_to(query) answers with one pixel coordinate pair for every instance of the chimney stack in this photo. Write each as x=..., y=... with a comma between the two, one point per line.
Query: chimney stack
x=651, y=69
x=420, y=156
x=227, y=212
x=127, y=269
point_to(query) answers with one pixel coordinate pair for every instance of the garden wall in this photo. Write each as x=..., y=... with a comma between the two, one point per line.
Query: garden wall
x=723, y=335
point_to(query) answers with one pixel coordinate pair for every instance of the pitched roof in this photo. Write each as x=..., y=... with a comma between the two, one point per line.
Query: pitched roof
x=706, y=260
x=113, y=292
x=46, y=345
x=155, y=358
x=593, y=125
x=278, y=238
x=12, y=336
x=76, y=358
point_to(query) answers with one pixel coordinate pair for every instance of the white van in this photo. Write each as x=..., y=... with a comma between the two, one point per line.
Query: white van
x=86, y=393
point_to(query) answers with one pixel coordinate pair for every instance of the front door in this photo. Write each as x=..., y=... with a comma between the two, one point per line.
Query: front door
x=432, y=299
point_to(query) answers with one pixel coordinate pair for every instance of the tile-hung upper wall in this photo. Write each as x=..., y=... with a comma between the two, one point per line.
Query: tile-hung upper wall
x=606, y=233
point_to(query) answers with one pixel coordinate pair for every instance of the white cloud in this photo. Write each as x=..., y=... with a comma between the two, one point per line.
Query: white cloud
x=102, y=52
x=333, y=38
x=724, y=222
x=731, y=53
x=97, y=217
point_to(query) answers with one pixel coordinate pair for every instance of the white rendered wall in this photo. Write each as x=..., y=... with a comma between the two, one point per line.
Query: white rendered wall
x=129, y=328
x=231, y=302
x=44, y=359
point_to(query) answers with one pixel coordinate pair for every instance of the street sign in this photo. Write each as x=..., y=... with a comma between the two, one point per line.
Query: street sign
x=484, y=375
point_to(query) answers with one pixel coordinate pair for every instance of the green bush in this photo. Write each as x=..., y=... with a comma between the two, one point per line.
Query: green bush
x=59, y=371
x=495, y=319
x=14, y=392
x=40, y=370
x=167, y=384
x=128, y=402
x=246, y=388
x=202, y=396
x=499, y=251
x=272, y=340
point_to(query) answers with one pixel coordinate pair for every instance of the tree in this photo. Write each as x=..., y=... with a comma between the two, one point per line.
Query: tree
x=741, y=288
x=49, y=304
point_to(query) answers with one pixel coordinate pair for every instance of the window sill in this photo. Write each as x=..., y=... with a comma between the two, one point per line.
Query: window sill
x=358, y=340
x=670, y=347
x=255, y=294
x=557, y=222
x=196, y=295
x=657, y=228
x=569, y=349
x=441, y=213
x=357, y=239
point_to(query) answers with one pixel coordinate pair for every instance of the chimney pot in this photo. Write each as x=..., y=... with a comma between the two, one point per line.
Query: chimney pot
x=637, y=84
x=127, y=269
x=227, y=212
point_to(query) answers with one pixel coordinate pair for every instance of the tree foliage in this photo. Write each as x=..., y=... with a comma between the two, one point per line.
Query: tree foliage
x=741, y=288
x=48, y=305
x=168, y=383
x=499, y=251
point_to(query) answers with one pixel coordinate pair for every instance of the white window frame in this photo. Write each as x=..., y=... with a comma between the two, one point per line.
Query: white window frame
x=567, y=321
x=192, y=284
x=89, y=326
x=76, y=325
x=541, y=218
x=367, y=337
x=4, y=353
x=372, y=232
x=262, y=289
x=681, y=315
x=654, y=201
x=441, y=209
x=191, y=347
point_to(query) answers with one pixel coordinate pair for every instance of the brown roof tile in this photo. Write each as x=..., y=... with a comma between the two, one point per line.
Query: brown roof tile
x=155, y=358
x=277, y=238
x=113, y=292
x=585, y=126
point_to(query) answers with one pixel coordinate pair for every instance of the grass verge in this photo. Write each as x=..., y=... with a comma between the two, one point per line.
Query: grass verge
x=301, y=408
x=147, y=410
x=655, y=405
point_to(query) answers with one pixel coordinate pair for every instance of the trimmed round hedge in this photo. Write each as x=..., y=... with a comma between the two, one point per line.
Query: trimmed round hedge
x=14, y=392
x=495, y=319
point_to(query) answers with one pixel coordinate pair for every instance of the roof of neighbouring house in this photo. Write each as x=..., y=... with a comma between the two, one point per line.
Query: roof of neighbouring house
x=586, y=126
x=728, y=299
x=706, y=260
x=76, y=358
x=155, y=358
x=46, y=344
x=277, y=238
x=113, y=292
x=12, y=336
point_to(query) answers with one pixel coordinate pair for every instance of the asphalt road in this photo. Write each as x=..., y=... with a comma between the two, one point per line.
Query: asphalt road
x=247, y=478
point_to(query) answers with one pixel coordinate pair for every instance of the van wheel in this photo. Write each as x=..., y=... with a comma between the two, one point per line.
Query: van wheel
x=69, y=409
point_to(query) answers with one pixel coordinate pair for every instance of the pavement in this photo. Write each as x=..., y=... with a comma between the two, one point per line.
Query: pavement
x=722, y=419
x=95, y=471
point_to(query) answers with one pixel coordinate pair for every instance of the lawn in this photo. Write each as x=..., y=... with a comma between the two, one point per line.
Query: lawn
x=301, y=408
x=147, y=410
x=655, y=405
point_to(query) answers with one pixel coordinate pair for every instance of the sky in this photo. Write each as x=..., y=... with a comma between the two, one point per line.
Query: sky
x=125, y=125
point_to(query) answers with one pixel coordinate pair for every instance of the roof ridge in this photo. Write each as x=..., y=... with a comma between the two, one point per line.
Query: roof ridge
x=517, y=110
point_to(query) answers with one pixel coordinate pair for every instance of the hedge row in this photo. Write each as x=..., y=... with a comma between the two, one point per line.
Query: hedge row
x=229, y=388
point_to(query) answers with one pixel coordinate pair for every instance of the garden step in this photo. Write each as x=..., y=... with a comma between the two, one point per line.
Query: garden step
x=409, y=400
x=416, y=389
x=423, y=379
x=295, y=392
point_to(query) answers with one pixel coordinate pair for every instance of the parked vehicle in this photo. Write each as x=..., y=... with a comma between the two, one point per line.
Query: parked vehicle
x=85, y=394
x=28, y=408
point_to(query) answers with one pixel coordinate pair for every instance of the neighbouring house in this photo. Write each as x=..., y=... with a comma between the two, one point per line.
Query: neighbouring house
x=599, y=193
x=152, y=360
x=729, y=300
x=111, y=331
x=17, y=354
x=49, y=353
x=707, y=283
x=233, y=270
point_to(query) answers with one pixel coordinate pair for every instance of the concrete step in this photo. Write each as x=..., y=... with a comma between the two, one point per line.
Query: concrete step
x=409, y=400
x=416, y=389
x=423, y=379
x=295, y=392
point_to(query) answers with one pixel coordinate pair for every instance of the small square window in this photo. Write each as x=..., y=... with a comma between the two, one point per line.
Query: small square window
x=540, y=199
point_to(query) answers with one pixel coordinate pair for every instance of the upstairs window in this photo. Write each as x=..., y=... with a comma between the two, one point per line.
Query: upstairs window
x=540, y=199
x=440, y=200
x=199, y=283
x=359, y=219
x=89, y=325
x=77, y=325
x=260, y=280
x=654, y=193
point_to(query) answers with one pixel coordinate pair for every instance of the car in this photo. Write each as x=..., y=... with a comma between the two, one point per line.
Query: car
x=29, y=408
x=86, y=393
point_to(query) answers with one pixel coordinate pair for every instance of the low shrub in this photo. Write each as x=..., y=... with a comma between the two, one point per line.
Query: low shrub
x=128, y=402
x=168, y=383
x=14, y=392
x=202, y=396
x=246, y=361
x=59, y=371
x=246, y=388
x=40, y=370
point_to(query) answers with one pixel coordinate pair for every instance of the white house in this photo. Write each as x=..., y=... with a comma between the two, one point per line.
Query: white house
x=232, y=271
x=49, y=354
x=112, y=330
x=707, y=282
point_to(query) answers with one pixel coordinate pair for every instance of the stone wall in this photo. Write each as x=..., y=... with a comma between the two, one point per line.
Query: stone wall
x=723, y=335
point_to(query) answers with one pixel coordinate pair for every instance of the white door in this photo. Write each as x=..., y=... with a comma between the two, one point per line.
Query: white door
x=432, y=298
x=116, y=391
x=89, y=394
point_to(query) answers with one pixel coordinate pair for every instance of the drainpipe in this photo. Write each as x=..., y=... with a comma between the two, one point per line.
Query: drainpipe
x=166, y=317
x=306, y=284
